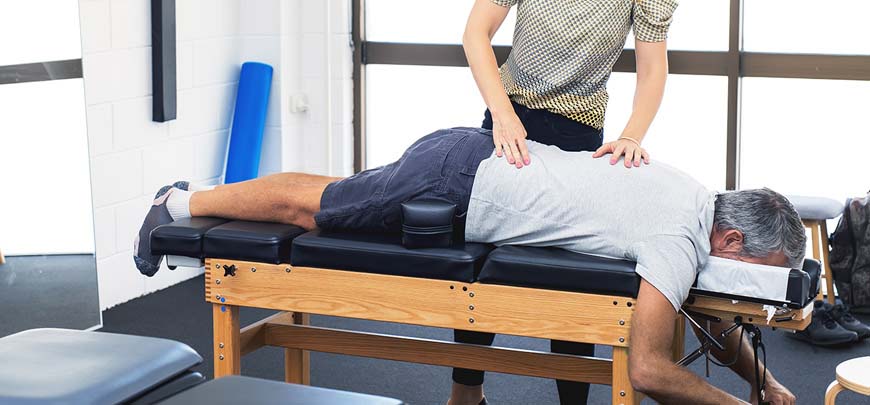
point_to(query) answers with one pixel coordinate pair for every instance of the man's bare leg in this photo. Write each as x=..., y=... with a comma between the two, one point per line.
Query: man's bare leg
x=289, y=198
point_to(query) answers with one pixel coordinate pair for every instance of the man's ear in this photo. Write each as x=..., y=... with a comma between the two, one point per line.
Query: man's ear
x=730, y=241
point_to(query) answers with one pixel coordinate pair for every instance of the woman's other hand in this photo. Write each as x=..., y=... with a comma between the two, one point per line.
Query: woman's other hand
x=634, y=153
x=509, y=137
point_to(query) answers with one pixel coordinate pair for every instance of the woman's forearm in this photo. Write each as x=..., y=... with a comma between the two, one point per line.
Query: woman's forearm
x=647, y=100
x=484, y=68
x=652, y=72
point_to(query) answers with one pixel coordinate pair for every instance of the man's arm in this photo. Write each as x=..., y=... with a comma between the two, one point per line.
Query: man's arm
x=651, y=369
x=776, y=393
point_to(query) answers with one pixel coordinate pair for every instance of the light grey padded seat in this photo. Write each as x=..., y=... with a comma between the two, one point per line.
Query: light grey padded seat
x=235, y=390
x=62, y=366
x=816, y=208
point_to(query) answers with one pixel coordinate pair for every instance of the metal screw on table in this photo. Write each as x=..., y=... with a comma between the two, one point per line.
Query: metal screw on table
x=471, y=307
x=470, y=320
x=221, y=357
x=221, y=345
x=253, y=269
x=218, y=281
x=621, y=322
x=622, y=340
x=471, y=294
x=287, y=269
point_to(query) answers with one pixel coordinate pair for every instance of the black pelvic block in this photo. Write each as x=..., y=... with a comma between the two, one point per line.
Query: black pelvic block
x=427, y=224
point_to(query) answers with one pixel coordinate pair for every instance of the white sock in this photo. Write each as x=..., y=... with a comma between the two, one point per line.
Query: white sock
x=200, y=187
x=178, y=204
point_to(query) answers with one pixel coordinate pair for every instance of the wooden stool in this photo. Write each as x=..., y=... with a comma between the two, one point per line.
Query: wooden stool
x=853, y=375
x=815, y=212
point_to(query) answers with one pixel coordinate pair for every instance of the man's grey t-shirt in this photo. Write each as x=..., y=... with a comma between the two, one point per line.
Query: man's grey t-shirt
x=655, y=215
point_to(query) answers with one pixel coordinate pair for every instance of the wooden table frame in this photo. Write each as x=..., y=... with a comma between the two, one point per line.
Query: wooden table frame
x=522, y=311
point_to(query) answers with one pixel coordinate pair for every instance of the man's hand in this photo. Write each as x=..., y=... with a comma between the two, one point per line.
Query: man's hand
x=632, y=150
x=775, y=394
x=509, y=137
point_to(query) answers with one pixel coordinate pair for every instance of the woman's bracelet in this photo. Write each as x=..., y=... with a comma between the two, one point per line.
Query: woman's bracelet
x=636, y=142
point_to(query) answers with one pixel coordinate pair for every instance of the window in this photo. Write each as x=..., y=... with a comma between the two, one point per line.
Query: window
x=38, y=31
x=806, y=26
x=414, y=101
x=426, y=22
x=52, y=152
x=689, y=130
x=804, y=136
x=735, y=119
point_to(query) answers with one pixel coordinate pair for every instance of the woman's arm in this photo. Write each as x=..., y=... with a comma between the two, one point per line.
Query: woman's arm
x=652, y=72
x=509, y=135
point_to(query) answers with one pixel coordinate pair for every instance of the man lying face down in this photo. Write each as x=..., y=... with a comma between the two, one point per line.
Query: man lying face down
x=655, y=215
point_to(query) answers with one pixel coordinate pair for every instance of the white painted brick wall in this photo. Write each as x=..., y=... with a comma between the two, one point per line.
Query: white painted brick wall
x=131, y=156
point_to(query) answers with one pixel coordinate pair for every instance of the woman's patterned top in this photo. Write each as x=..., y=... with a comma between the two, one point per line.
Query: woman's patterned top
x=564, y=50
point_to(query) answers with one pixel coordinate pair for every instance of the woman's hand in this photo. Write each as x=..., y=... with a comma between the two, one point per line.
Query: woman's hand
x=509, y=137
x=634, y=153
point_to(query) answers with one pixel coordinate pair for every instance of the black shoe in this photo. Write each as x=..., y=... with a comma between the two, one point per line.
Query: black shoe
x=824, y=330
x=841, y=314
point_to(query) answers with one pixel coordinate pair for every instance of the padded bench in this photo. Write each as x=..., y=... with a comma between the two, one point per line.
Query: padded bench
x=63, y=366
x=535, y=292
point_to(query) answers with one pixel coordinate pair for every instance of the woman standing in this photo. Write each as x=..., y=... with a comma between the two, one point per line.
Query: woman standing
x=552, y=90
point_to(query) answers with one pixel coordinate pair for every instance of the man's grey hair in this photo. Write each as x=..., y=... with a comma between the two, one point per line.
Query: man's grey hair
x=767, y=220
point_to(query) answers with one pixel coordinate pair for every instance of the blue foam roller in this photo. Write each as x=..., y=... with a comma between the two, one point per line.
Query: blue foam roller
x=249, y=119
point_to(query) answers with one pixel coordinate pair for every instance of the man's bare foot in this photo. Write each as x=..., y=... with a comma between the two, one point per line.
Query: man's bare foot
x=461, y=394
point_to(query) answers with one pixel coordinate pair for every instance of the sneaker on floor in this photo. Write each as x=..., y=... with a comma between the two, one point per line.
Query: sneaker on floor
x=824, y=330
x=841, y=314
x=147, y=263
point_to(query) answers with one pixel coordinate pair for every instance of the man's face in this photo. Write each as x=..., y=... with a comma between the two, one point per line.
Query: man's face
x=729, y=244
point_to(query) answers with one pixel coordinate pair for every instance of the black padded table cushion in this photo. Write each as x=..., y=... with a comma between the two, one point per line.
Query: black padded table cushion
x=183, y=237
x=253, y=241
x=63, y=366
x=384, y=254
x=233, y=390
x=559, y=269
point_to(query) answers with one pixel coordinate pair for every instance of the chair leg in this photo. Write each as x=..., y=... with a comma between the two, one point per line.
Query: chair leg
x=814, y=234
x=297, y=362
x=829, y=275
x=623, y=393
x=227, y=354
x=831, y=393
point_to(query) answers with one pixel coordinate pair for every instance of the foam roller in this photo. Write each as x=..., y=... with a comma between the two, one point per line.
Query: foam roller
x=249, y=120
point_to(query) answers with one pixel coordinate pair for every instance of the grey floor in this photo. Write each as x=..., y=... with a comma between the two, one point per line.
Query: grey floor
x=48, y=291
x=180, y=313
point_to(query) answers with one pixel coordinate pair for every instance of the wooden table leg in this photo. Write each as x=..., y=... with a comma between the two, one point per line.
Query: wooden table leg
x=826, y=263
x=297, y=363
x=227, y=355
x=679, y=338
x=2, y=259
x=623, y=393
x=831, y=393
